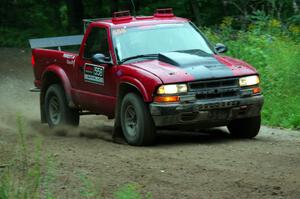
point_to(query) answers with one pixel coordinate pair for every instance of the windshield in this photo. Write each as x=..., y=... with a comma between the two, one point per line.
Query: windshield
x=155, y=39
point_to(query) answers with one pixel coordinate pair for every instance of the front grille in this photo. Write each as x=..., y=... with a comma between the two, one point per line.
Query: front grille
x=212, y=89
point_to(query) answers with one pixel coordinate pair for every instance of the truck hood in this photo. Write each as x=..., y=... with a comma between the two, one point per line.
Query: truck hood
x=175, y=67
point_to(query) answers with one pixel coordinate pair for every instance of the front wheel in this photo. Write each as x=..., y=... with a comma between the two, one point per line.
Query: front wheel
x=245, y=128
x=136, y=121
x=58, y=113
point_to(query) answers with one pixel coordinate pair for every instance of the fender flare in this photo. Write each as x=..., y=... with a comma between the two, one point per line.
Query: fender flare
x=64, y=80
x=138, y=85
x=131, y=81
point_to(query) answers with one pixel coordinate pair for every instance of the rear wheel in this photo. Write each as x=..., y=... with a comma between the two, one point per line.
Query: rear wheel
x=245, y=128
x=136, y=121
x=58, y=113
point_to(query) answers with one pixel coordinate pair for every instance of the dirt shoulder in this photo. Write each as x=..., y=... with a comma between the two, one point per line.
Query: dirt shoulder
x=205, y=164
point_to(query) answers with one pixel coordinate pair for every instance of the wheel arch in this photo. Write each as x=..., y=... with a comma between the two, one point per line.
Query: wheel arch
x=54, y=75
x=136, y=85
x=124, y=88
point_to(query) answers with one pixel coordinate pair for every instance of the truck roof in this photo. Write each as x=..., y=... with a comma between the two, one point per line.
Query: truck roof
x=123, y=18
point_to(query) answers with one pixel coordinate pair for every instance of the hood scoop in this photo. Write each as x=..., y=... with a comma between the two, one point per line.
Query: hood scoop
x=182, y=59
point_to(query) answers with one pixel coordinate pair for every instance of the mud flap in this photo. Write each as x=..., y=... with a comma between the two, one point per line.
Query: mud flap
x=43, y=113
x=42, y=108
x=117, y=135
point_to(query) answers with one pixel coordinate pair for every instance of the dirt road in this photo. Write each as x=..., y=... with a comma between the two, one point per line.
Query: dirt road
x=205, y=164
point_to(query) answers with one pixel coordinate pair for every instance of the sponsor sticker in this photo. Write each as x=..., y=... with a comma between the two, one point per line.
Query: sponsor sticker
x=70, y=59
x=94, y=74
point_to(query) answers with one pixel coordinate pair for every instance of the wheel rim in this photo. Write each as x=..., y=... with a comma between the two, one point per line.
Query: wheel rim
x=54, y=110
x=131, y=122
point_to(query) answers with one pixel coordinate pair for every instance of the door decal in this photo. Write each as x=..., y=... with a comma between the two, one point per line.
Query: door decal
x=94, y=74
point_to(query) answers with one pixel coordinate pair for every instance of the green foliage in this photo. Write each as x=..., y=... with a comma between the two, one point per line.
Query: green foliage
x=131, y=191
x=87, y=189
x=281, y=84
x=22, y=20
x=23, y=178
x=274, y=51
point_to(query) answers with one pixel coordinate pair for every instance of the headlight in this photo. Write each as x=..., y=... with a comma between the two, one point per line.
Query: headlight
x=172, y=89
x=249, y=81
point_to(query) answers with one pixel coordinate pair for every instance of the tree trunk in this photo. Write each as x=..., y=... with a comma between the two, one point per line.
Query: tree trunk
x=137, y=5
x=114, y=6
x=295, y=6
x=279, y=10
x=196, y=11
x=55, y=6
x=225, y=7
x=75, y=14
x=117, y=5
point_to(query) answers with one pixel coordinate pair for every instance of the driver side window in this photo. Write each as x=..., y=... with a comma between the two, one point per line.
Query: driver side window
x=96, y=43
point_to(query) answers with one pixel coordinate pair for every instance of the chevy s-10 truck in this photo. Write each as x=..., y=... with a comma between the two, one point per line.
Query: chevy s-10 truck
x=147, y=72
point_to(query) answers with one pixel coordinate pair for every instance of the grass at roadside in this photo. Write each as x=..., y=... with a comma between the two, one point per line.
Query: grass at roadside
x=22, y=177
x=29, y=174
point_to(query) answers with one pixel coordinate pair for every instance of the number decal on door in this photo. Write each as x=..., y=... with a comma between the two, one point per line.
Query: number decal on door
x=94, y=74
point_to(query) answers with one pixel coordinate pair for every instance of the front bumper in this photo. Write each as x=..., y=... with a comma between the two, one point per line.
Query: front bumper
x=208, y=113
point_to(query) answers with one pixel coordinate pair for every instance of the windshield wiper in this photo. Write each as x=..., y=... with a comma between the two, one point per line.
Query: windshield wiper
x=139, y=56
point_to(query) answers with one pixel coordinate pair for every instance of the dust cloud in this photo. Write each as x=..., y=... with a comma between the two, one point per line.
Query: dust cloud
x=16, y=78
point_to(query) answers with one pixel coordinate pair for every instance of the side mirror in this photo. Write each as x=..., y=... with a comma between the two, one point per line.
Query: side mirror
x=100, y=58
x=221, y=48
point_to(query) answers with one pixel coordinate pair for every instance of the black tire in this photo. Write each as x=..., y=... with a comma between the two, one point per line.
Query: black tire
x=137, y=124
x=58, y=113
x=245, y=128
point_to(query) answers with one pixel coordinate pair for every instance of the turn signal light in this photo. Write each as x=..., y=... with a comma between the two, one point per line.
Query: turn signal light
x=256, y=90
x=166, y=99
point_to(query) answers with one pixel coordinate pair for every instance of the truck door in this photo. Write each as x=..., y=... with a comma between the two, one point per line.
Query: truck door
x=96, y=85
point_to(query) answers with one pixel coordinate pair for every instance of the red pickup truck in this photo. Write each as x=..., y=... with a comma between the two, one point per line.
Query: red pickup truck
x=147, y=72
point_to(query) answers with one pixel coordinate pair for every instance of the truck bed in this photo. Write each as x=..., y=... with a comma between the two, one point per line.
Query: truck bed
x=44, y=58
